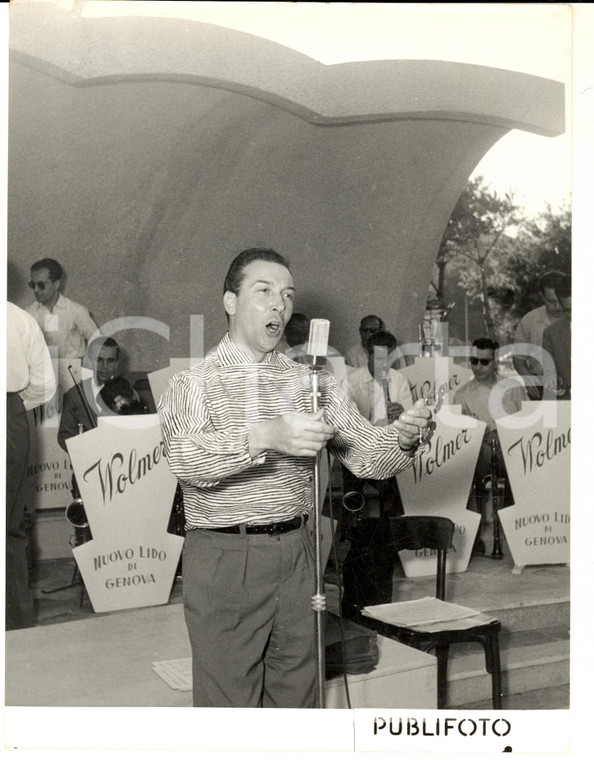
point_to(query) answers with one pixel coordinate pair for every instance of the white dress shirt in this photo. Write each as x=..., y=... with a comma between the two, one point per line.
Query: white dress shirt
x=368, y=394
x=29, y=369
x=356, y=356
x=69, y=326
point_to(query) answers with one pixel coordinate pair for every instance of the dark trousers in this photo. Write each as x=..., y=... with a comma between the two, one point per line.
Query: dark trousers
x=247, y=603
x=368, y=568
x=390, y=501
x=369, y=565
x=19, y=600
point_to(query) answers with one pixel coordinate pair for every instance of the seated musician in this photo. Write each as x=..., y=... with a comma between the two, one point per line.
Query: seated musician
x=477, y=400
x=118, y=397
x=83, y=404
x=381, y=394
x=107, y=392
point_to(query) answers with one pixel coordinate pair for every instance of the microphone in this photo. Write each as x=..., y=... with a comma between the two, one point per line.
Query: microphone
x=317, y=345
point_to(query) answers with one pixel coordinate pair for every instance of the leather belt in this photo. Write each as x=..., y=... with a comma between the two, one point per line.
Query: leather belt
x=270, y=529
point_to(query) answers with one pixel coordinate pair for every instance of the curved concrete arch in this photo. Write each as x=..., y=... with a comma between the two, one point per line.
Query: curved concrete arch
x=144, y=155
x=91, y=51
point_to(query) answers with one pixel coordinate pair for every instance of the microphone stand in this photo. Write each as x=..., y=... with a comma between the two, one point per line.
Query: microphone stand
x=318, y=600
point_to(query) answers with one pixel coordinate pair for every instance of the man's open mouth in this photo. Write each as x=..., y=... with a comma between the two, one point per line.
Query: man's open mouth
x=274, y=328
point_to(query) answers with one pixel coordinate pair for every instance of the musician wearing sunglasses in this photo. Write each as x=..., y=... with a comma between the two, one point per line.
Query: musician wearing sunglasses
x=478, y=399
x=64, y=323
x=358, y=355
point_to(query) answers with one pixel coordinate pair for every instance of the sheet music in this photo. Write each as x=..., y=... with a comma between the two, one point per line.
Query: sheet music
x=175, y=673
x=425, y=611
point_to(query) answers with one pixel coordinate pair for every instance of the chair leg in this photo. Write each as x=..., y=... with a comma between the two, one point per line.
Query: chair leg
x=493, y=665
x=442, y=652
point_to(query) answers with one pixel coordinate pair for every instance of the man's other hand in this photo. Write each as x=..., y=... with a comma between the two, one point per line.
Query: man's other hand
x=411, y=424
x=295, y=433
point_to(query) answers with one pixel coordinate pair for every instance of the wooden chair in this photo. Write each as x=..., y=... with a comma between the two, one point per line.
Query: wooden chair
x=429, y=532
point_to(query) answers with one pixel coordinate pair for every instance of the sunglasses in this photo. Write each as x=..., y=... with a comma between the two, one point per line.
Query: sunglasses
x=41, y=285
x=474, y=361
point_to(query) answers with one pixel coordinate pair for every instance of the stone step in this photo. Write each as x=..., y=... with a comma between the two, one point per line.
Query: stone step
x=534, y=646
x=533, y=616
x=546, y=698
x=534, y=611
x=525, y=667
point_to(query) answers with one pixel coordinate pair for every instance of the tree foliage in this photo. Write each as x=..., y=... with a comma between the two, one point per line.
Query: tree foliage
x=496, y=255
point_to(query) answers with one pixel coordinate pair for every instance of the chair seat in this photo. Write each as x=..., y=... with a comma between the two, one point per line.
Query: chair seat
x=479, y=628
x=450, y=633
x=475, y=622
x=431, y=623
x=428, y=615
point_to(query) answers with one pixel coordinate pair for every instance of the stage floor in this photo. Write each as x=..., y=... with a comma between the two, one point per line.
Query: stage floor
x=488, y=584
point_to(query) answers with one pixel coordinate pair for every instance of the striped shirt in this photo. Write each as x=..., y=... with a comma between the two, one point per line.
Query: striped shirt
x=206, y=413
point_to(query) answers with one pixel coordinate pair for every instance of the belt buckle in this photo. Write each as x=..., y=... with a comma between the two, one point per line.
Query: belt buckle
x=276, y=529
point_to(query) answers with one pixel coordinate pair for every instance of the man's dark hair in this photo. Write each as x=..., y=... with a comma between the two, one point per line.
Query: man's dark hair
x=54, y=269
x=563, y=288
x=373, y=316
x=383, y=338
x=236, y=271
x=550, y=280
x=102, y=342
x=486, y=344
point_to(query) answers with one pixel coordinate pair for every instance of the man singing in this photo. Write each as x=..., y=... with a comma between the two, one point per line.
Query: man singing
x=240, y=437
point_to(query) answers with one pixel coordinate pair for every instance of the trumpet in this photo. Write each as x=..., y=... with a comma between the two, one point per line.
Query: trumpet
x=386, y=392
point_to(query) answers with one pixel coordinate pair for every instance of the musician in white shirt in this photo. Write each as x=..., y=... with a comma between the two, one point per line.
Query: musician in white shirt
x=357, y=355
x=64, y=323
x=380, y=392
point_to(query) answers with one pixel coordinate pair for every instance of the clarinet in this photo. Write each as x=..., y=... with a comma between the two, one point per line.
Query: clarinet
x=386, y=392
x=496, y=553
